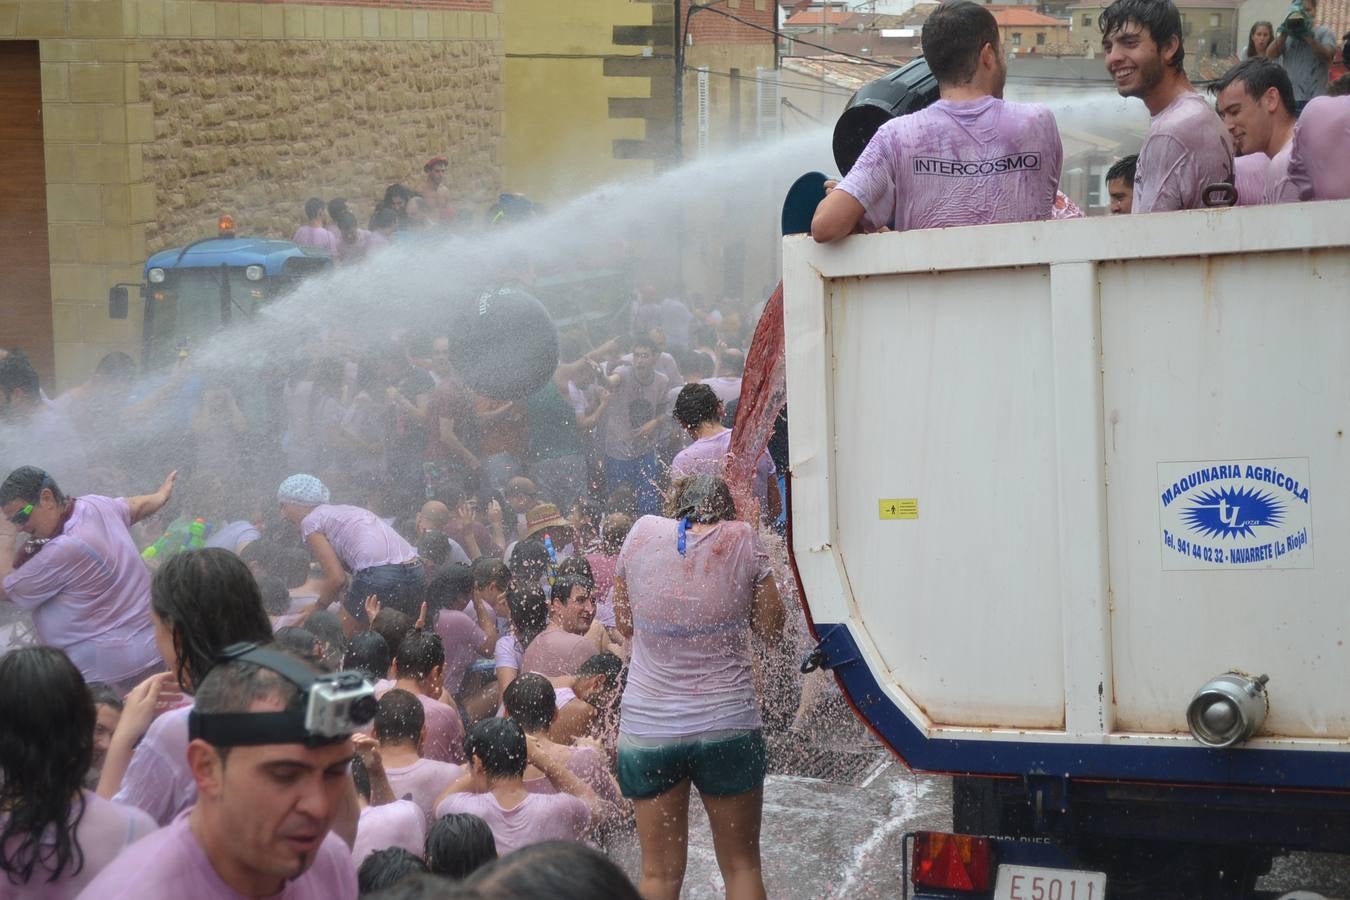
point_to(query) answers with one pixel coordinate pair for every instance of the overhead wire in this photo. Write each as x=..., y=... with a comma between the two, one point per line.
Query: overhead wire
x=758, y=27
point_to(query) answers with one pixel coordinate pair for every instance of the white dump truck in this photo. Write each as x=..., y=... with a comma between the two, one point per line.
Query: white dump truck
x=1070, y=513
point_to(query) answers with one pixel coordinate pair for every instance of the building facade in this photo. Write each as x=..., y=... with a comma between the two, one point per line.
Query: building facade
x=132, y=125
x=1209, y=31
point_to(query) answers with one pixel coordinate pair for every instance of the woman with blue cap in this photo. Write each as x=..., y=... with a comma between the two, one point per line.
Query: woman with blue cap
x=352, y=544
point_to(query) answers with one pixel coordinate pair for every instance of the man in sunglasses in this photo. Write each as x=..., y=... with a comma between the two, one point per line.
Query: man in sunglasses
x=79, y=573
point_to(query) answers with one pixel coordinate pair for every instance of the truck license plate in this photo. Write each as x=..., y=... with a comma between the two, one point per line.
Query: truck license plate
x=1036, y=883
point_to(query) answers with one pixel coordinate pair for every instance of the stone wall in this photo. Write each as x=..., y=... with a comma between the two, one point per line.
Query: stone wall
x=252, y=128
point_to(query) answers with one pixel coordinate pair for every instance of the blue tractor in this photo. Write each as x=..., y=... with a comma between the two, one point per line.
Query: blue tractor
x=192, y=292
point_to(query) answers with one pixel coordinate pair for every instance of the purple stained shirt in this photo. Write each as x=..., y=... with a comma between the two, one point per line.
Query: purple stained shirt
x=1186, y=150
x=974, y=162
x=1321, y=146
x=171, y=865
x=89, y=593
x=463, y=641
x=105, y=830
x=315, y=239
x=398, y=824
x=1279, y=187
x=157, y=780
x=445, y=730
x=360, y=538
x=591, y=767
x=602, y=567
x=556, y=652
x=691, y=670
x=423, y=782
x=1249, y=177
x=536, y=819
x=708, y=456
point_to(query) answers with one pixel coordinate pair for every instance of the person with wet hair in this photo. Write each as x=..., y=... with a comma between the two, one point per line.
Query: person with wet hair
x=530, y=563
x=347, y=539
x=969, y=159
x=202, y=601
x=493, y=789
x=55, y=835
x=559, y=870
x=614, y=528
x=1186, y=149
x=368, y=653
x=567, y=642
x=533, y=703
x=267, y=816
x=491, y=580
x=386, y=868
x=588, y=709
x=400, y=727
x=302, y=643
x=699, y=411
x=419, y=665
x=1120, y=184
x=529, y=618
x=79, y=573
x=466, y=624
x=459, y=844
x=1255, y=100
x=314, y=235
x=393, y=626
x=690, y=589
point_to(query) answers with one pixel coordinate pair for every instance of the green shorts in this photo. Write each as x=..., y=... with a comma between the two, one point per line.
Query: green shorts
x=720, y=764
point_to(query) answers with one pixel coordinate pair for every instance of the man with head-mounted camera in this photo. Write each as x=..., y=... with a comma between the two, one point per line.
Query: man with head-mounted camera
x=1305, y=49
x=270, y=752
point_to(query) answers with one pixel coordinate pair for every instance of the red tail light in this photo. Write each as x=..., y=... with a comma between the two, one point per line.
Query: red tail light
x=956, y=862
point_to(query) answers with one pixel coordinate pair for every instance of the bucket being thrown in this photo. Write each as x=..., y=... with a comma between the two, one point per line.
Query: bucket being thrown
x=908, y=89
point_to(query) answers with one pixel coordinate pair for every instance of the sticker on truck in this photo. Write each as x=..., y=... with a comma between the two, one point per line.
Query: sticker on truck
x=1235, y=515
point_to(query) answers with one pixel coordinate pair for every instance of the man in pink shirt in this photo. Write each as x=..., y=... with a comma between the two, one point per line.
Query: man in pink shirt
x=261, y=825
x=314, y=235
x=418, y=666
x=1255, y=99
x=1186, y=149
x=969, y=159
x=1321, y=146
x=494, y=790
x=700, y=411
x=80, y=575
x=400, y=727
x=564, y=646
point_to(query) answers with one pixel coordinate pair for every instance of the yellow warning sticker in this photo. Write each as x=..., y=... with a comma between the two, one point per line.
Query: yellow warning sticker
x=900, y=508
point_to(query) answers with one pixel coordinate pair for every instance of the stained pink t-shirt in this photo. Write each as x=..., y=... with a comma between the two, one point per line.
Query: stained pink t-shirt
x=974, y=162
x=360, y=538
x=463, y=641
x=105, y=830
x=557, y=652
x=89, y=593
x=315, y=239
x=1249, y=177
x=591, y=767
x=445, y=731
x=1186, y=150
x=691, y=670
x=171, y=865
x=1321, y=146
x=708, y=456
x=602, y=569
x=536, y=819
x=398, y=824
x=158, y=780
x=423, y=782
x=1279, y=187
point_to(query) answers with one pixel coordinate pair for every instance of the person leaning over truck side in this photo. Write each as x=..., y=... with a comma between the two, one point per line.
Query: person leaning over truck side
x=1120, y=184
x=1256, y=102
x=1186, y=149
x=969, y=159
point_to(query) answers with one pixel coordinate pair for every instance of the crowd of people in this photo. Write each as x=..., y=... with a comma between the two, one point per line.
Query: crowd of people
x=562, y=613
x=1276, y=132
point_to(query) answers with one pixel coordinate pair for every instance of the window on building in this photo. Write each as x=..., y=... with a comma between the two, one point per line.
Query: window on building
x=1087, y=21
x=1040, y=39
x=1017, y=38
x=1213, y=20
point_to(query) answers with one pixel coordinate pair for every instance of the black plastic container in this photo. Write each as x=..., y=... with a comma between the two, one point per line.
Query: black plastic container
x=909, y=88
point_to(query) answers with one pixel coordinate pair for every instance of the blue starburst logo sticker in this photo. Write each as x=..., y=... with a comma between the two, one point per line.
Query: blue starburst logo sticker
x=1232, y=512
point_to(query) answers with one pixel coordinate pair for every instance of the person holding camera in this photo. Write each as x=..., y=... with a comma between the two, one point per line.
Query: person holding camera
x=1305, y=49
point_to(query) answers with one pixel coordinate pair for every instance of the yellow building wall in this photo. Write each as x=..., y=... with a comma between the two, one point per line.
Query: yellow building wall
x=561, y=115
